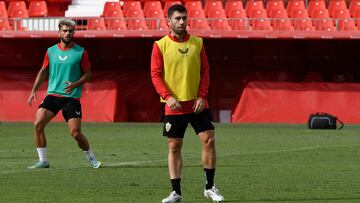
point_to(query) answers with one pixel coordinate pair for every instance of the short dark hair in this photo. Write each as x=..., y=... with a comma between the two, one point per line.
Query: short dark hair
x=176, y=7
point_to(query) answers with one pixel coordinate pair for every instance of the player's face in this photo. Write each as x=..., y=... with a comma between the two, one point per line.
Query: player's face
x=66, y=34
x=178, y=23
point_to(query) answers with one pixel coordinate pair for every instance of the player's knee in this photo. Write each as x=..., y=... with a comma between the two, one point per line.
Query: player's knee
x=174, y=147
x=209, y=141
x=39, y=126
x=75, y=133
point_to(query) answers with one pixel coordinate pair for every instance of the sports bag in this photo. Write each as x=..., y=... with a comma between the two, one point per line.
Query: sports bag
x=323, y=121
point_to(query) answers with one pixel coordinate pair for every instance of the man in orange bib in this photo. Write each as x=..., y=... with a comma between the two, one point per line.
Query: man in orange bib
x=180, y=74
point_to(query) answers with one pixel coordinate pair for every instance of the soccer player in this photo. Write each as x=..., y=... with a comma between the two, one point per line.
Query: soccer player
x=67, y=67
x=180, y=74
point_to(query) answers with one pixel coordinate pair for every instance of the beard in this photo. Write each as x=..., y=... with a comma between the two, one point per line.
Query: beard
x=66, y=41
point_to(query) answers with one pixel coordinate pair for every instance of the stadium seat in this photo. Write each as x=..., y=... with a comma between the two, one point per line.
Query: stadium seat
x=238, y=20
x=96, y=24
x=197, y=20
x=218, y=20
x=262, y=24
x=156, y=20
x=111, y=7
x=4, y=24
x=357, y=18
x=342, y=20
x=275, y=5
x=233, y=5
x=151, y=6
x=213, y=5
x=316, y=5
x=301, y=21
x=193, y=6
x=256, y=15
x=131, y=6
x=280, y=21
x=167, y=5
x=294, y=6
x=322, y=21
x=18, y=14
x=335, y=5
x=114, y=17
x=38, y=9
x=2, y=6
x=135, y=20
x=253, y=6
x=16, y=5
x=354, y=6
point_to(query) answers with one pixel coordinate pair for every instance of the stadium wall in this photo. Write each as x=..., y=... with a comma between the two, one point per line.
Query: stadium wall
x=124, y=63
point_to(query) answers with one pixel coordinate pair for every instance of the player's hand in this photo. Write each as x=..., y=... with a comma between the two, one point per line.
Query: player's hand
x=199, y=105
x=31, y=98
x=70, y=87
x=173, y=104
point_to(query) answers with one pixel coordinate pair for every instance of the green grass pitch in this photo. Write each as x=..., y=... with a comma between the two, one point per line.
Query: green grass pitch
x=256, y=163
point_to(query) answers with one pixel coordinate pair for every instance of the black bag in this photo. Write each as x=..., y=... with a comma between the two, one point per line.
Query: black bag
x=323, y=121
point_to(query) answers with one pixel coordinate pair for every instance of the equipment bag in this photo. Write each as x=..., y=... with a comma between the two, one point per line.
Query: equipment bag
x=323, y=121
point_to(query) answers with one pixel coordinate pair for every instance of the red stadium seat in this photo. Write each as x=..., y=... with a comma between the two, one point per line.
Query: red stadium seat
x=343, y=22
x=111, y=7
x=38, y=9
x=275, y=5
x=18, y=15
x=301, y=21
x=212, y=5
x=197, y=20
x=233, y=5
x=151, y=6
x=357, y=18
x=335, y=5
x=253, y=6
x=256, y=15
x=354, y=6
x=96, y=24
x=167, y=5
x=294, y=6
x=156, y=20
x=4, y=24
x=238, y=20
x=131, y=6
x=193, y=5
x=135, y=20
x=280, y=20
x=316, y=5
x=262, y=24
x=2, y=6
x=16, y=5
x=218, y=20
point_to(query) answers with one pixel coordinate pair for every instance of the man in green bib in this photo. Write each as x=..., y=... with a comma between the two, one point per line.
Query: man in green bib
x=67, y=67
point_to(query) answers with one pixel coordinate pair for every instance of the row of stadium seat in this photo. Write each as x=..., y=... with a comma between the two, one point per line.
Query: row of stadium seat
x=235, y=15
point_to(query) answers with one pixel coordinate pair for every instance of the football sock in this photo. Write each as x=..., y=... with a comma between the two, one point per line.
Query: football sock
x=42, y=154
x=176, y=185
x=209, y=173
x=89, y=155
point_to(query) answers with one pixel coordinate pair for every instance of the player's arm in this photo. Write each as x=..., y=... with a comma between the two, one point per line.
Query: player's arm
x=85, y=77
x=200, y=102
x=157, y=68
x=40, y=77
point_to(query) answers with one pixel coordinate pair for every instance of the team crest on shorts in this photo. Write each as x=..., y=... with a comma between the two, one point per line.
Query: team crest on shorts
x=167, y=126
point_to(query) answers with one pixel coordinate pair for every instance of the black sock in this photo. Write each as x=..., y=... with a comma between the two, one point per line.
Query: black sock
x=176, y=185
x=209, y=173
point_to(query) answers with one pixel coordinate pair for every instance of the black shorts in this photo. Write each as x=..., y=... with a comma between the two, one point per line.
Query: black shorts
x=71, y=108
x=175, y=125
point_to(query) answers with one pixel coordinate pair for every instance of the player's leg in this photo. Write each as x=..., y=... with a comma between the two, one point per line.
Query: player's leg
x=72, y=114
x=47, y=110
x=174, y=130
x=203, y=126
